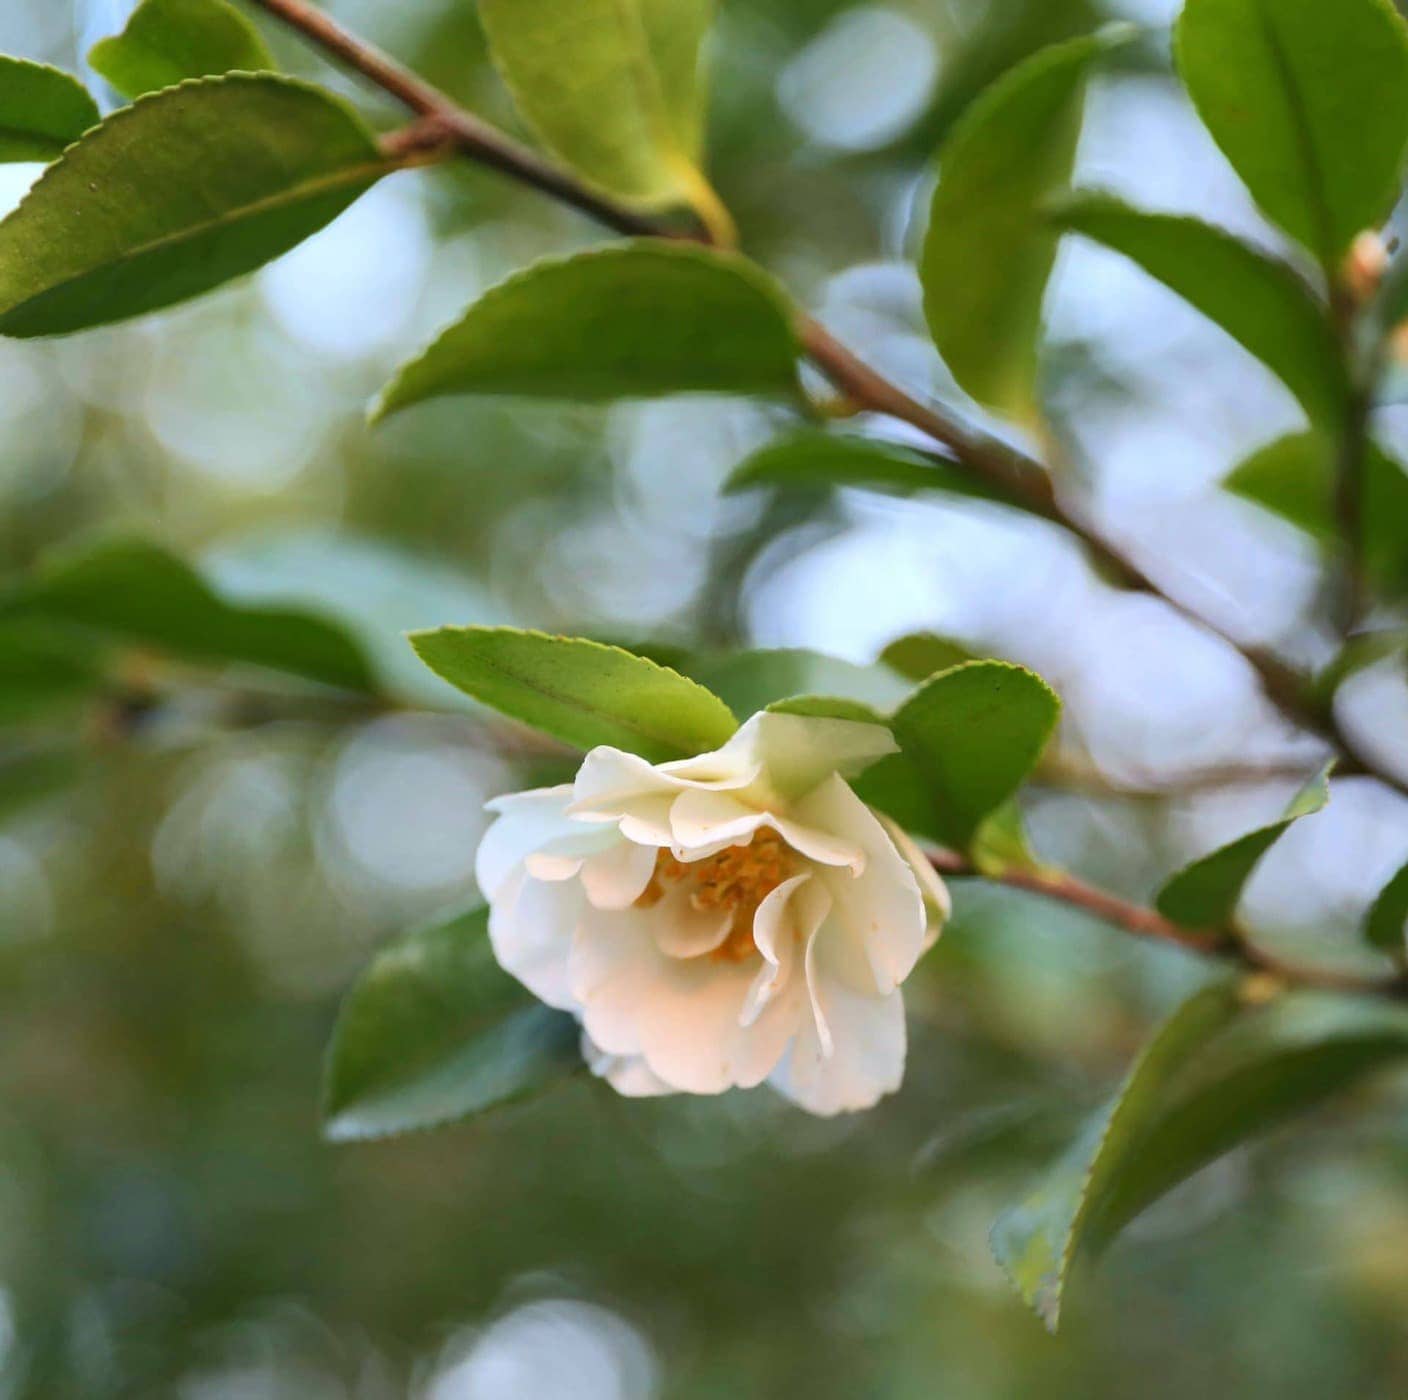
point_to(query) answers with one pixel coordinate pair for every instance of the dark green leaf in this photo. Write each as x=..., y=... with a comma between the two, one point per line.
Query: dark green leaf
x=1215, y=1076
x=972, y=734
x=434, y=1031
x=1386, y=924
x=1309, y=102
x=1295, y=478
x=584, y=693
x=615, y=87
x=35, y=771
x=43, y=671
x=1262, y=304
x=1205, y=894
x=749, y=681
x=816, y=460
x=42, y=110
x=923, y=654
x=168, y=41
x=988, y=253
x=176, y=194
x=136, y=591
x=634, y=320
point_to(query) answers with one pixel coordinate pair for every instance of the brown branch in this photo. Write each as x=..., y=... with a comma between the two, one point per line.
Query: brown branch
x=1012, y=475
x=1229, y=944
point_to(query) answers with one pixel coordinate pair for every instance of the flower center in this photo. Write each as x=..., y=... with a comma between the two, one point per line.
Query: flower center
x=737, y=879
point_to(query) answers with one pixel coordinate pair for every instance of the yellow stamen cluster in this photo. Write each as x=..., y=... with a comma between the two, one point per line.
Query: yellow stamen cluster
x=737, y=879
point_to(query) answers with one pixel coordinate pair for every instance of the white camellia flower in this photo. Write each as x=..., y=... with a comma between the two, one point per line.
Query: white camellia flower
x=722, y=920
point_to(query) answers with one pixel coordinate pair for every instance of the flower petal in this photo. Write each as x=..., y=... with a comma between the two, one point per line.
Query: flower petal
x=629, y=1075
x=796, y=752
x=938, y=903
x=614, y=878
x=881, y=910
x=531, y=923
x=785, y=922
x=852, y=1051
x=527, y=822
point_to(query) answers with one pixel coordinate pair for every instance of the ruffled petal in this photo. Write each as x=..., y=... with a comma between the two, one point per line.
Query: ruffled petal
x=684, y=1016
x=531, y=923
x=527, y=822
x=784, y=924
x=796, y=752
x=938, y=903
x=629, y=1075
x=881, y=910
x=852, y=1051
x=616, y=877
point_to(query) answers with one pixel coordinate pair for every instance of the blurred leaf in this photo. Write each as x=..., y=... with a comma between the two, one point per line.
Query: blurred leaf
x=1294, y=477
x=1361, y=651
x=1261, y=303
x=42, y=110
x=1309, y=102
x=828, y=707
x=35, y=771
x=581, y=692
x=988, y=254
x=815, y=460
x=168, y=41
x=923, y=654
x=614, y=87
x=973, y=733
x=1213, y=1077
x=1205, y=894
x=1386, y=924
x=43, y=669
x=749, y=681
x=434, y=1030
x=176, y=194
x=138, y=592
x=633, y=320
x=1001, y=842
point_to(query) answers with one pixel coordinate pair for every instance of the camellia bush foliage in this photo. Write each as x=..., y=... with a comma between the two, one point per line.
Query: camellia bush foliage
x=721, y=881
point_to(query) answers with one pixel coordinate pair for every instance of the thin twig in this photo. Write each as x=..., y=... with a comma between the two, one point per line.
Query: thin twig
x=1012, y=475
x=1230, y=944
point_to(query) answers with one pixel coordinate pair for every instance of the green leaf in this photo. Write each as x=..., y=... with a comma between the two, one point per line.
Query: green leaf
x=1294, y=477
x=434, y=1031
x=816, y=460
x=1205, y=894
x=1216, y=1075
x=168, y=41
x=988, y=253
x=920, y=655
x=614, y=87
x=1386, y=924
x=43, y=671
x=972, y=734
x=176, y=194
x=584, y=693
x=1309, y=102
x=633, y=320
x=42, y=110
x=138, y=592
x=1262, y=304
x=34, y=772
x=748, y=681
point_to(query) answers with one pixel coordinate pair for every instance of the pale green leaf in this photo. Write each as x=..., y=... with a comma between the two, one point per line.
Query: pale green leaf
x=44, y=671
x=633, y=320
x=137, y=592
x=1205, y=894
x=177, y=194
x=919, y=655
x=584, y=693
x=167, y=41
x=1309, y=102
x=435, y=1031
x=1261, y=303
x=989, y=252
x=816, y=460
x=42, y=110
x=1295, y=478
x=972, y=734
x=1215, y=1076
x=748, y=681
x=614, y=87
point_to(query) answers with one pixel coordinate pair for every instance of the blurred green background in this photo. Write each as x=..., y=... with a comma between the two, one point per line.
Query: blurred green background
x=180, y=912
